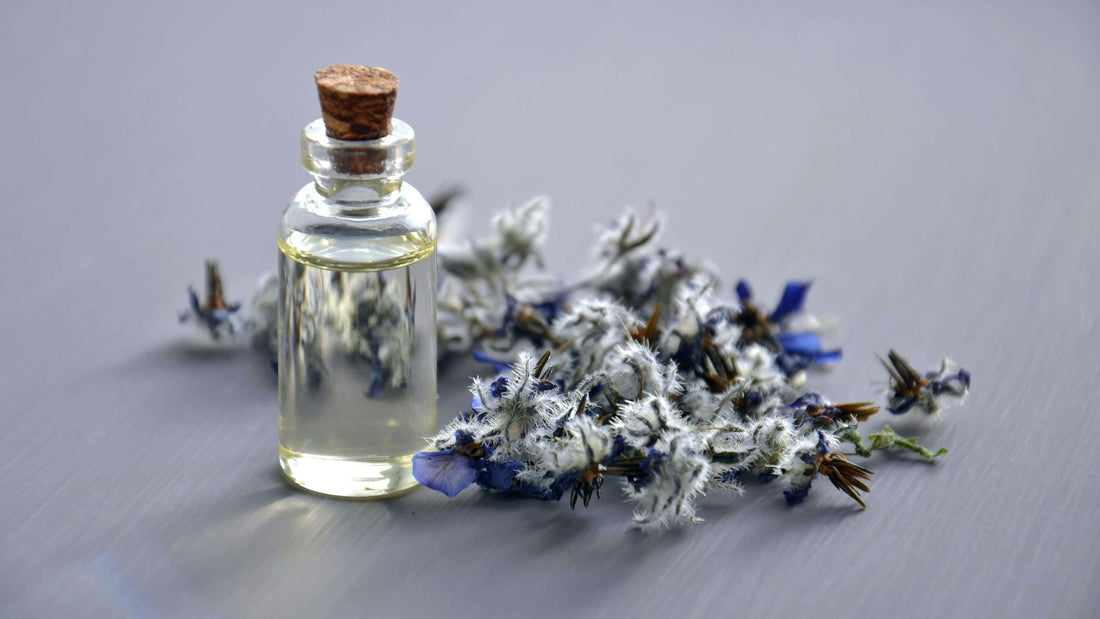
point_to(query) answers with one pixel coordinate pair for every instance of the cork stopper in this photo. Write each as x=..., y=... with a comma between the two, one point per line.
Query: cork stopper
x=356, y=102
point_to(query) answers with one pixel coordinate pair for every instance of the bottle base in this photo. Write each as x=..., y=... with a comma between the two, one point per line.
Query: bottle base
x=358, y=478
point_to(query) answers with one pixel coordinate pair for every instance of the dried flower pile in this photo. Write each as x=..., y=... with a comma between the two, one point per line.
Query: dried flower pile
x=642, y=370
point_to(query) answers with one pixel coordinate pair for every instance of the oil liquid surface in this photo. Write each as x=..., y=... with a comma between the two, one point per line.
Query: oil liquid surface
x=357, y=371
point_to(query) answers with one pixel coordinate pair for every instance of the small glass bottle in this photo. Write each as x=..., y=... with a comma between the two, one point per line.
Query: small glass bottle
x=357, y=267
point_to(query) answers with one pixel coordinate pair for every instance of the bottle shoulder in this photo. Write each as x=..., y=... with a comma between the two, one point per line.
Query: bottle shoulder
x=317, y=232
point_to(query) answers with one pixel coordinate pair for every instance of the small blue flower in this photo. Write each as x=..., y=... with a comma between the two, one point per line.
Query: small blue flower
x=908, y=388
x=795, y=351
x=213, y=312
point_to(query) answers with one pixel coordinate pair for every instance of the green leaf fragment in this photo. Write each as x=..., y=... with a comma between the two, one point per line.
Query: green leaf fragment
x=888, y=439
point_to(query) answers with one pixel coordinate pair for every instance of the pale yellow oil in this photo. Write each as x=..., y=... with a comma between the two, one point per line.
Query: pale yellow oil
x=357, y=377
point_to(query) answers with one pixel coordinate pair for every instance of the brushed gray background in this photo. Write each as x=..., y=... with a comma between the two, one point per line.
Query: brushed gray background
x=934, y=166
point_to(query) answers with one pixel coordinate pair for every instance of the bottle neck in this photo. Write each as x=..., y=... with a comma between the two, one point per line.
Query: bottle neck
x=362, y=173
x=367, y=192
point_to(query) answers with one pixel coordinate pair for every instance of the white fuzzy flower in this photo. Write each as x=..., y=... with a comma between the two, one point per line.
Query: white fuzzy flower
x=589, y=331
x=632, y=370
x=678, y=471
x=526, y=401
x=581, y=444
x=644, y=422
x=520, y=230
x=757, y=364
x=929, y=392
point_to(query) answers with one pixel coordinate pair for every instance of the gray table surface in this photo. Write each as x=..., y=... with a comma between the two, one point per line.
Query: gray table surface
x=935, y=167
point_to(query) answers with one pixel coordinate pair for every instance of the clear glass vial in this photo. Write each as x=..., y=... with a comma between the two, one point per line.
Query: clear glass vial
x=357, y=361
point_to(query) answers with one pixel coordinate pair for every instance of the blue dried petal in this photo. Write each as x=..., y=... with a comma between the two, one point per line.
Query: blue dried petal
x=744, y=291
x=797, y=494
x=497, y=475
x=956, y=384
x=447, y=471
x=801, y=350
x=617, y=449
x=806, y=344
x=688, y=354
x=499, y=387
x=794, y=296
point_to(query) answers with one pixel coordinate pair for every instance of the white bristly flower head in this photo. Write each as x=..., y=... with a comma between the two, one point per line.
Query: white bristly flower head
x=632, y=370
x=642, y=423
x=581, y=444
x=757, y=364
x=526, y=403
x=521, y=230
x=590, y=330
x=677, y=472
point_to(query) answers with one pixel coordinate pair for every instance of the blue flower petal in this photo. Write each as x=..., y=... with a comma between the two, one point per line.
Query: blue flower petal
x=448, y=471
x=744, y=292
x=794, y=295
x=497, y=475
x=796, y=494
x=807, y=344
x=827, y=356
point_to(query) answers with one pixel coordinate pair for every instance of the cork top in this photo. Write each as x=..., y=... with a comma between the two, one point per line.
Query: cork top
x=356, y=102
